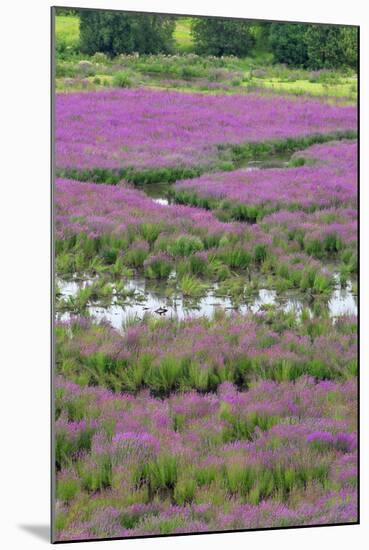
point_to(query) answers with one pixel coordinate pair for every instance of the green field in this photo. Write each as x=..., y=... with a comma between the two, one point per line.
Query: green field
x=182, y=35
x=190, y=72
x=67, y=30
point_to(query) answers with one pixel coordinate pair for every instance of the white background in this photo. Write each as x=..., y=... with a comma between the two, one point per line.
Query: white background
x=25, y=279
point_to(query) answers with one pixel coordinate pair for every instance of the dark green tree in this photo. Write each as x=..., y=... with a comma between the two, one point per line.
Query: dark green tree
x=288, y=43
x=331, y=46
x=222, y=36
x=324, y=46
x=114, y=33
x=350, y=45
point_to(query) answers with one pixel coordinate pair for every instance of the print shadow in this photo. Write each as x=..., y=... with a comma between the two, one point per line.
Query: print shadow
x=40, y=531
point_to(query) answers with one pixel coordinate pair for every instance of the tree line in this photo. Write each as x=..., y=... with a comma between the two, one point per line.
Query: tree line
x=304, y=45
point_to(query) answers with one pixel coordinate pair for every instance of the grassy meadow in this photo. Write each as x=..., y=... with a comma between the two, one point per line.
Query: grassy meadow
x=184, y=70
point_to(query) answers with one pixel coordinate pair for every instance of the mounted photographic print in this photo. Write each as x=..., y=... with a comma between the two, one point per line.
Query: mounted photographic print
x=205, y=258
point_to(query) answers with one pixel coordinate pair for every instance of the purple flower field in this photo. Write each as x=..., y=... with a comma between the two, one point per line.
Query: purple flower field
x=234, y=420
x=331, y=182
x=136, y=231
x=144, y=128
x=274, y=455
x=97, y=209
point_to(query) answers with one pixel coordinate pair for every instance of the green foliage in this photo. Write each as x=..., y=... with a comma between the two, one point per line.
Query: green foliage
x=288, y=44
x=329, y=46
x=185, y=245
x=257, y=484
x=66, y=34
x=314, y=46
x=66, y=489
x=122, y=80
x=237, y=258
x=260, y=253
x=150, y=231
x=158, y=268
x=160, y=475
x=205, y=475
x=190, y=286
x=350, y=39
x=99, y=476
x=184, y=491
x=213, y=36
x=243, y=427
x=135, y=257
x=198, y=265
x=165, y=377
x=67, y=449
x=116, y=32
x=239, y=478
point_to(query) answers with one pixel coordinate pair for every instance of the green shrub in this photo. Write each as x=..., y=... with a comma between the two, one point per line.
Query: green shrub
x=150, y=231
x=191, y=287
x=206, y=475
x=165, y=377
x=243, y=427
x=288, y=43
x=314, y=46
x=66, y=489
x=239, y=478
x=198, y=265
x=185, y=245
x=237, y=258
x=122, y=80
x=162, y=474
x=214, y=36
x=99, y=476
x=184, y=491
x=331, y=46
x=260, y=253
x=135, y=257
x=113, y=33
x=158, y=267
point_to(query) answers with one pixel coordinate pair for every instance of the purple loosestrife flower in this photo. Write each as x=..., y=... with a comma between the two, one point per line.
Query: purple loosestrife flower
x=305, y=187
x=146, y=128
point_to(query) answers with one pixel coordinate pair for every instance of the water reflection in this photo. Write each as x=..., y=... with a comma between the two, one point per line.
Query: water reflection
x=150, y=298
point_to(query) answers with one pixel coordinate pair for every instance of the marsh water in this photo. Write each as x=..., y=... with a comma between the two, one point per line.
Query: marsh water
x=147, y=297
x=151, y=298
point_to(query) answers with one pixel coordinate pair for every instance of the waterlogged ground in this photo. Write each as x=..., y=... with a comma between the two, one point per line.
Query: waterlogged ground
x=148, y=298
x=206, y=303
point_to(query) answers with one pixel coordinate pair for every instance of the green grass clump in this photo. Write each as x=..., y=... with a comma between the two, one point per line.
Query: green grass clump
x=68, y=448
x=184, y=492
x=191, y=287
x=98, y=476
x=236, y=257
x=243, y=427
x=66, y=489
x=164, y=377
x=239, y=479
x=185, y=245
x=158, y=268
x=160, y=475
x=205, y=475
x=255, y=484
x=135, y=257
x=132, y=175
x=122, y=80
